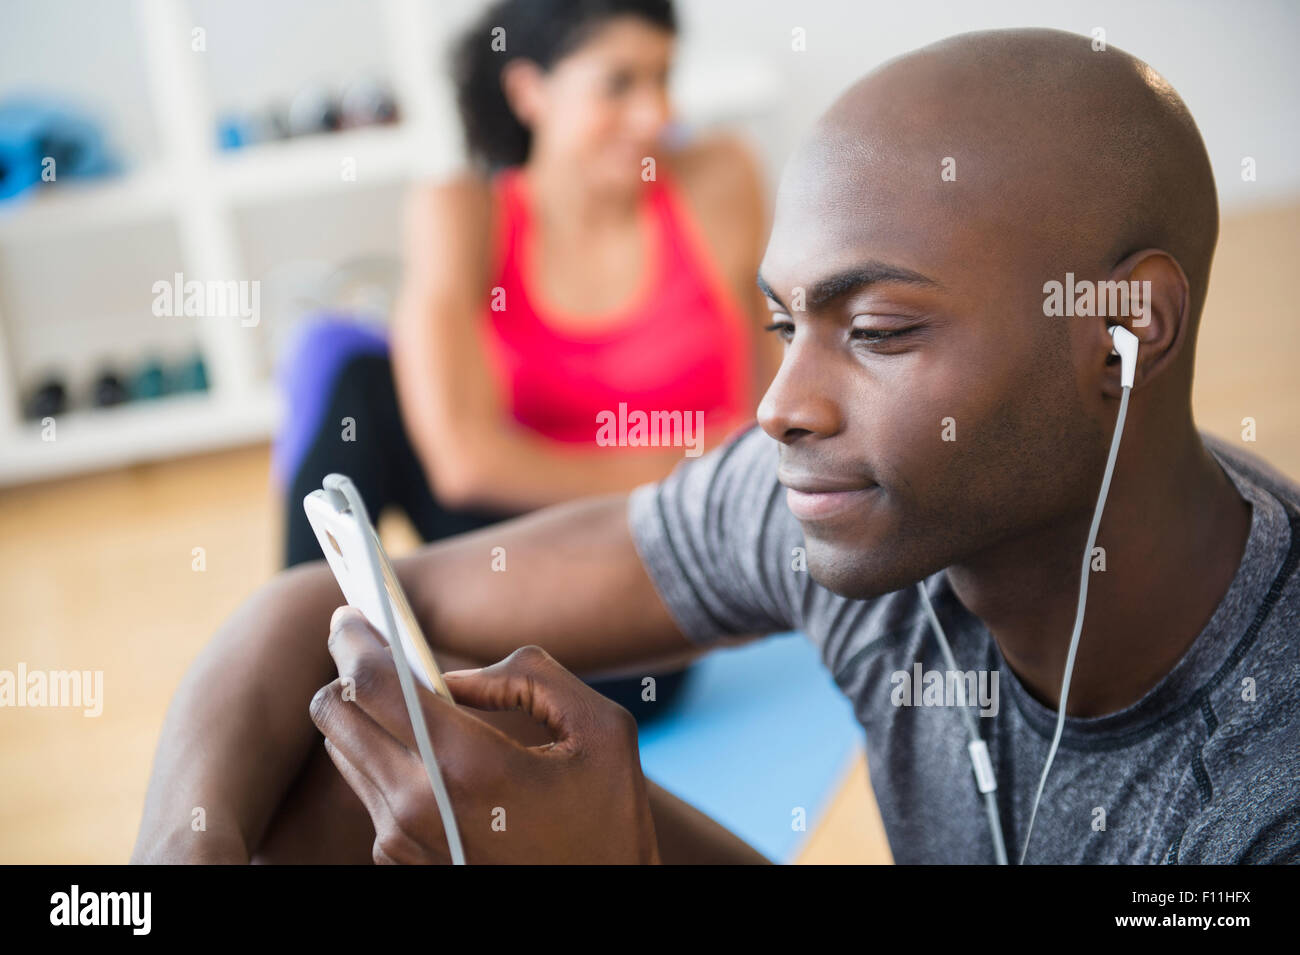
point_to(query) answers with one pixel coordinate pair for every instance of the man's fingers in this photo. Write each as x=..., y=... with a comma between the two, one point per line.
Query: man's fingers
x=369, y=674
x=530, y=679
x=391, y=846
x=366, y=665
x=381, y=856
x=371, y=749
x=381, y=815
x=358, y=781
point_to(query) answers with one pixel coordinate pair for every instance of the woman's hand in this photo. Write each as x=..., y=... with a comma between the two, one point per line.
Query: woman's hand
x=579, y=799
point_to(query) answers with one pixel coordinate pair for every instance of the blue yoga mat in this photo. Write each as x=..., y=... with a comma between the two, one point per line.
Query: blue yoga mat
x=759, y=730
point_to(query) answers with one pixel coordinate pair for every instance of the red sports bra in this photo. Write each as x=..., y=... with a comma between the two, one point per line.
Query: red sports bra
x=681, y=344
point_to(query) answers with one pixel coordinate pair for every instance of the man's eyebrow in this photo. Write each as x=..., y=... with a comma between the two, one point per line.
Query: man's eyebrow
x=860, y=276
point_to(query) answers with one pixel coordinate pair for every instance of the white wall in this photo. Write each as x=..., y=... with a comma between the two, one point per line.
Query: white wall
x=1233, y=62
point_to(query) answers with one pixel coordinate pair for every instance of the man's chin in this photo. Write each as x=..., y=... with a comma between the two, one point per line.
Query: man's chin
x=851, y=573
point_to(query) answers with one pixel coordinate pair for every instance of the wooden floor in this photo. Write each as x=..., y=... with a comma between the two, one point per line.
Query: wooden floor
x=97, y=573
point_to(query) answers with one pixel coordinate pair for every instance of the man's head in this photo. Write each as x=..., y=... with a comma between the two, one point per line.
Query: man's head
x=914, y=233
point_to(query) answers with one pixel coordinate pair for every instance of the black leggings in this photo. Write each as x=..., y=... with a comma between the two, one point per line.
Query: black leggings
x=383, y=466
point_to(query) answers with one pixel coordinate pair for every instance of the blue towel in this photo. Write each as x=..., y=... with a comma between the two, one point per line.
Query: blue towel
x=32, y=131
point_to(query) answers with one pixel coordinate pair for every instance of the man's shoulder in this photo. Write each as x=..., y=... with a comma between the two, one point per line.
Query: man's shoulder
x=744, y=466
x=1253, y=757
x=1254, y=469
x=738, y=472
x=715, y=535
x=1275, y=568
x=752, y=443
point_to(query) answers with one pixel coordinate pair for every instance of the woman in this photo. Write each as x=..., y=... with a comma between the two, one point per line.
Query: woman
x=581, y=271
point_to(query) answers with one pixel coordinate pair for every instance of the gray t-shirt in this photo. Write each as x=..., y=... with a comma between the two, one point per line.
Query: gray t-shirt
x=1205, y=768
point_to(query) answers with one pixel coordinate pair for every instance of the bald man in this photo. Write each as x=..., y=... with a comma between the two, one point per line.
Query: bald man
x=938, y=418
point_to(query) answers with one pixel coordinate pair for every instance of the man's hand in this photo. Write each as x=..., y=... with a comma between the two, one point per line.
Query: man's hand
x=579, y=799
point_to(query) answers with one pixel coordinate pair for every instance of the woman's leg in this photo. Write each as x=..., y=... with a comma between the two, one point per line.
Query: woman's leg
x=334, y=424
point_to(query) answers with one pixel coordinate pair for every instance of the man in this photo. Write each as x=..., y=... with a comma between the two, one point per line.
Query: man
x=930, y=422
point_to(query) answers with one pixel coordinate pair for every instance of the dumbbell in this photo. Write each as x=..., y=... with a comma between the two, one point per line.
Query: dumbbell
x=48, y=399
x=367, y=102
x=313, y=110
x=108, y=390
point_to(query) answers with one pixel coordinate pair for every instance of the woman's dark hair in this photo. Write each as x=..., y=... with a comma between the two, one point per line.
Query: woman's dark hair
x=543, y=31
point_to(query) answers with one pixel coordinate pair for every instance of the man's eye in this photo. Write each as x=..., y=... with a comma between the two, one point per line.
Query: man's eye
x=876, y=334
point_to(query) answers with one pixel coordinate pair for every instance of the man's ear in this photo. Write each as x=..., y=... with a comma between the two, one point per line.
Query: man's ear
x=521, y=82
x=1158, y=314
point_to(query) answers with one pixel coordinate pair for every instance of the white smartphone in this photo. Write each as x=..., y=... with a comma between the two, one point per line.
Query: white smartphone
x=345, y=538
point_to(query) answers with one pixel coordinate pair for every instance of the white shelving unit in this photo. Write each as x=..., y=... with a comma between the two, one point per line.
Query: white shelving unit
x=200, y=189
x=200, y=192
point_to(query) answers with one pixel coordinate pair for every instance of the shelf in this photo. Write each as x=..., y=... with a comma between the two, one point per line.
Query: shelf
x=93, y=439
x=314, y=164
x=203, y=194
x=278, y=170
x=87, y=206
x=310, y=165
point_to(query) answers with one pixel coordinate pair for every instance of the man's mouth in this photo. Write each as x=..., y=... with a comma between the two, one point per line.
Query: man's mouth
x=819, y=499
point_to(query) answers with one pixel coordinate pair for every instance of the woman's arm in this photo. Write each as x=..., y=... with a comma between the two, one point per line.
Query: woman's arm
x=472, y=453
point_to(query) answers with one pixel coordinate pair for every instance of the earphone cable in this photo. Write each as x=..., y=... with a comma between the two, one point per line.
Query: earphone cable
x=977, y=745
x=1078, y=617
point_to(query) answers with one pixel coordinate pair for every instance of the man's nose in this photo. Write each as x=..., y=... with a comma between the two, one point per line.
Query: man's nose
x=801, y=399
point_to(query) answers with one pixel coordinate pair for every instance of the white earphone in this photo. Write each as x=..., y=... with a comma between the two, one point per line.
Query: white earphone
x=1126, y=346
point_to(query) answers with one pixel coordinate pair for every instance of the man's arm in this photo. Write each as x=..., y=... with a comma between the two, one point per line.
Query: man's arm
x=571, y=582
x=689, y=837
x=238, y=730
